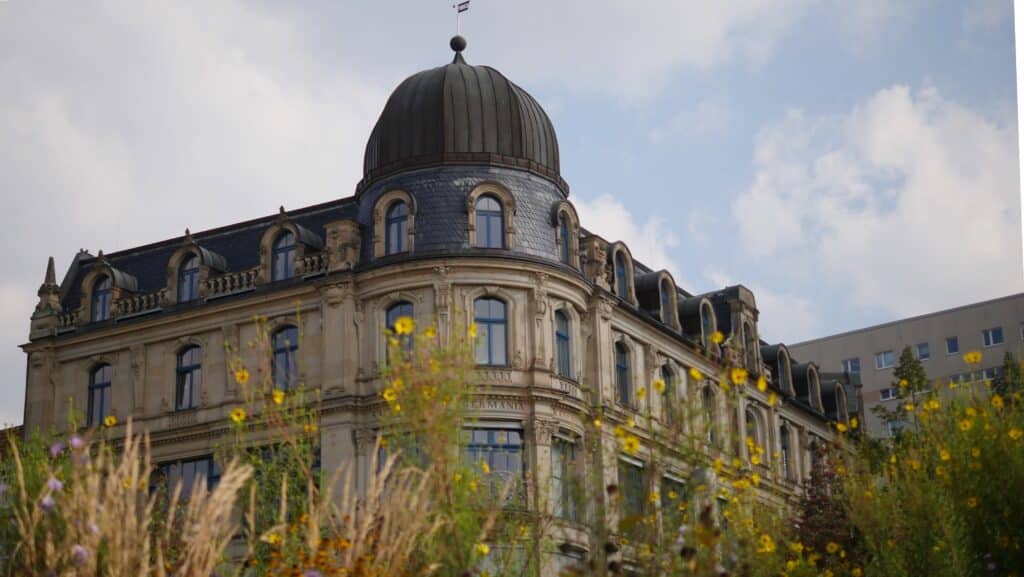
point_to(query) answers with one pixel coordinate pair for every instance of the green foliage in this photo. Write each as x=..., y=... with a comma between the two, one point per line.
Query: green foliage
x=1010, y=381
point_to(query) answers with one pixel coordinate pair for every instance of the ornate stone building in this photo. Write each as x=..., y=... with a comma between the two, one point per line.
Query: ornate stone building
x=461, y=211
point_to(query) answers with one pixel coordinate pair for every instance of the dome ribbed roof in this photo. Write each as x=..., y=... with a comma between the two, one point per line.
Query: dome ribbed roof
x=461, y=114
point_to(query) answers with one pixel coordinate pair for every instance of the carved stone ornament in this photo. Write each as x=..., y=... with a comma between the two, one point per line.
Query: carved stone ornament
x=336, y=294
x=543, y=430
x=365, y=440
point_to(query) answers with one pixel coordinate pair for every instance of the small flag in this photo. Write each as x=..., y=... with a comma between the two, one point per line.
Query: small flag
x=463, y=6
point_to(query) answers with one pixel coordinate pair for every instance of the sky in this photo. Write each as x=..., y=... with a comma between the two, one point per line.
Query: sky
x=850, y=162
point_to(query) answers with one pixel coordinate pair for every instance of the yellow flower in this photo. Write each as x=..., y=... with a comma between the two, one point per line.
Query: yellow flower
x=404, y=325
x=398, y=384
x=975, y=452
x=472, y=330
x=790, y=565
x=832, y=547
x=278, y=396
x=972, y=357
x=430, y=332
x=762, y=384
x=597, y=423
x=619, y=431
x=944, y=455
x=485, y=467
x=672, y=495
x=717, y=337
x=772, y=399
x=695, y=374
x=472, y=485
x=765, y=544
x=738, y=376
x=241, y=376
x=457, y=477
x=965, y=425
x=841, y=427
x=238, y=415
x=755, y=460
x=631, y=444
x=1015, y=434
x=755, y=479
x=972, y=502
x=717, y=464
x=856, y=572
x=109, y=421
x=482, y=549
x=653, y=497
x=915, y=464
x=658, y=385
x=997, y=401
x=641, y=392
x=909, y=407
x=311, y=428
x=274, y=539
x=934, y=404
x=389, y=395
x=971, y=412
x=903, y=383
x=396, y=408
x=854, y=423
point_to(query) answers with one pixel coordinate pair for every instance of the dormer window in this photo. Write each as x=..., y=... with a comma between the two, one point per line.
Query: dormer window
x=565, y=251
x=666, y=302
x=101, y=295
x=396, y=225
x=707, y=323
x=490, y=230
x=621, y=280
x=188, y=280
x=283, y=265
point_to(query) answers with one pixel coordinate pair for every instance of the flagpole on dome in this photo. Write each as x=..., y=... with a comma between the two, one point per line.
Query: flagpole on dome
x=460, y=7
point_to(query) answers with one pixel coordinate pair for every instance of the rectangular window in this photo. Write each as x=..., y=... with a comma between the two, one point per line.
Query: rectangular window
x=952, y=346
x=992, y=337
x=884, y=360
x=631, y=483
x=187, y=472
x=851, y=366
x=502, y=450
x=888, y=394
x=923, y=352
x=673, y=503
x=564, y=484
x=893, y=428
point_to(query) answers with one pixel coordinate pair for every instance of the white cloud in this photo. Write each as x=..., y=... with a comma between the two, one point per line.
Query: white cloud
x=650, y=242
x=910, y=202
x=981, y=15
x=707, y=118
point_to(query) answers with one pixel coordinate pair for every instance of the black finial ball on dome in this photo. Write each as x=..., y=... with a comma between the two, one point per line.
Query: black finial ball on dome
x=458, y=43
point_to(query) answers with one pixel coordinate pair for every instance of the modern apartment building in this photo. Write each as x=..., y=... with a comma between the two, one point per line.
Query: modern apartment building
x=938, y=339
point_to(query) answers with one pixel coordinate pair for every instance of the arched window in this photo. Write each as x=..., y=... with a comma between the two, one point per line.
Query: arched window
x=490, y=226
x=753, y=432
x=784, y=373
x=623, y=392
x=189, y=378
x=395, y=312
x=707, y=401
x=188, y=279
x=621, y=280
x=492, y=331
x=99, y=394
x=285, y=344
x=101, y=293
x=785, y=452
x=396, y=227
x=283, y=263
x=707, y=323
x=750, y=347
x=666, y=302
x=669, y=376
x=562, y=344
x=563, y=232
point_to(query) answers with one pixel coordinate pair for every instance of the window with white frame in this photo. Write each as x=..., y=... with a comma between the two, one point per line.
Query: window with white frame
x=923, y=351
x=631, y=484
x=502, y=450
x=851, y=365
x=952, y=345
x=884, y=360
x=992, y=337
x=564, y=480
x=887, y=394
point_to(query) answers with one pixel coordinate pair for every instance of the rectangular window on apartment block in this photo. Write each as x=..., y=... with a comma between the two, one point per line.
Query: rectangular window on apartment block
x=884, y=360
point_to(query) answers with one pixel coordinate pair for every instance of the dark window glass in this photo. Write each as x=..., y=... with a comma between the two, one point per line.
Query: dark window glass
x=564, y=481
x=622, y=380
x=283, y=266
x=188, y=280
x=671, y=402
x=631, y=483
x=187, y=473
x=666, y=302
x=785, y=453
x=621, y=279
x=490, y=226
x=285, y=369
x=852, y=366
x=990, y=337
x=101, y=299
x=673, y=503
x=753, y=435
x=395, y=312
x=563, y=344
x=707, y=323
x=503, y=451
x=492, y=331
x=952, y=346
x=563, y=231
x=396, y=226
x=189, y=378
x=708, y=405
x=99, y=394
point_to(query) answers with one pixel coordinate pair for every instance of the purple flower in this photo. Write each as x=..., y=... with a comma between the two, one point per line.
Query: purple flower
x=312, y=573
x=77, y=442
x=54, y=484
x=3, y=490
x=80, y=555
x=56, y=449
x=94, y=529
x=47, y=503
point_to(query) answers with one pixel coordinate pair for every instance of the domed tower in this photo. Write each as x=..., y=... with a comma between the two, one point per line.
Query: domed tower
x=446, y=137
